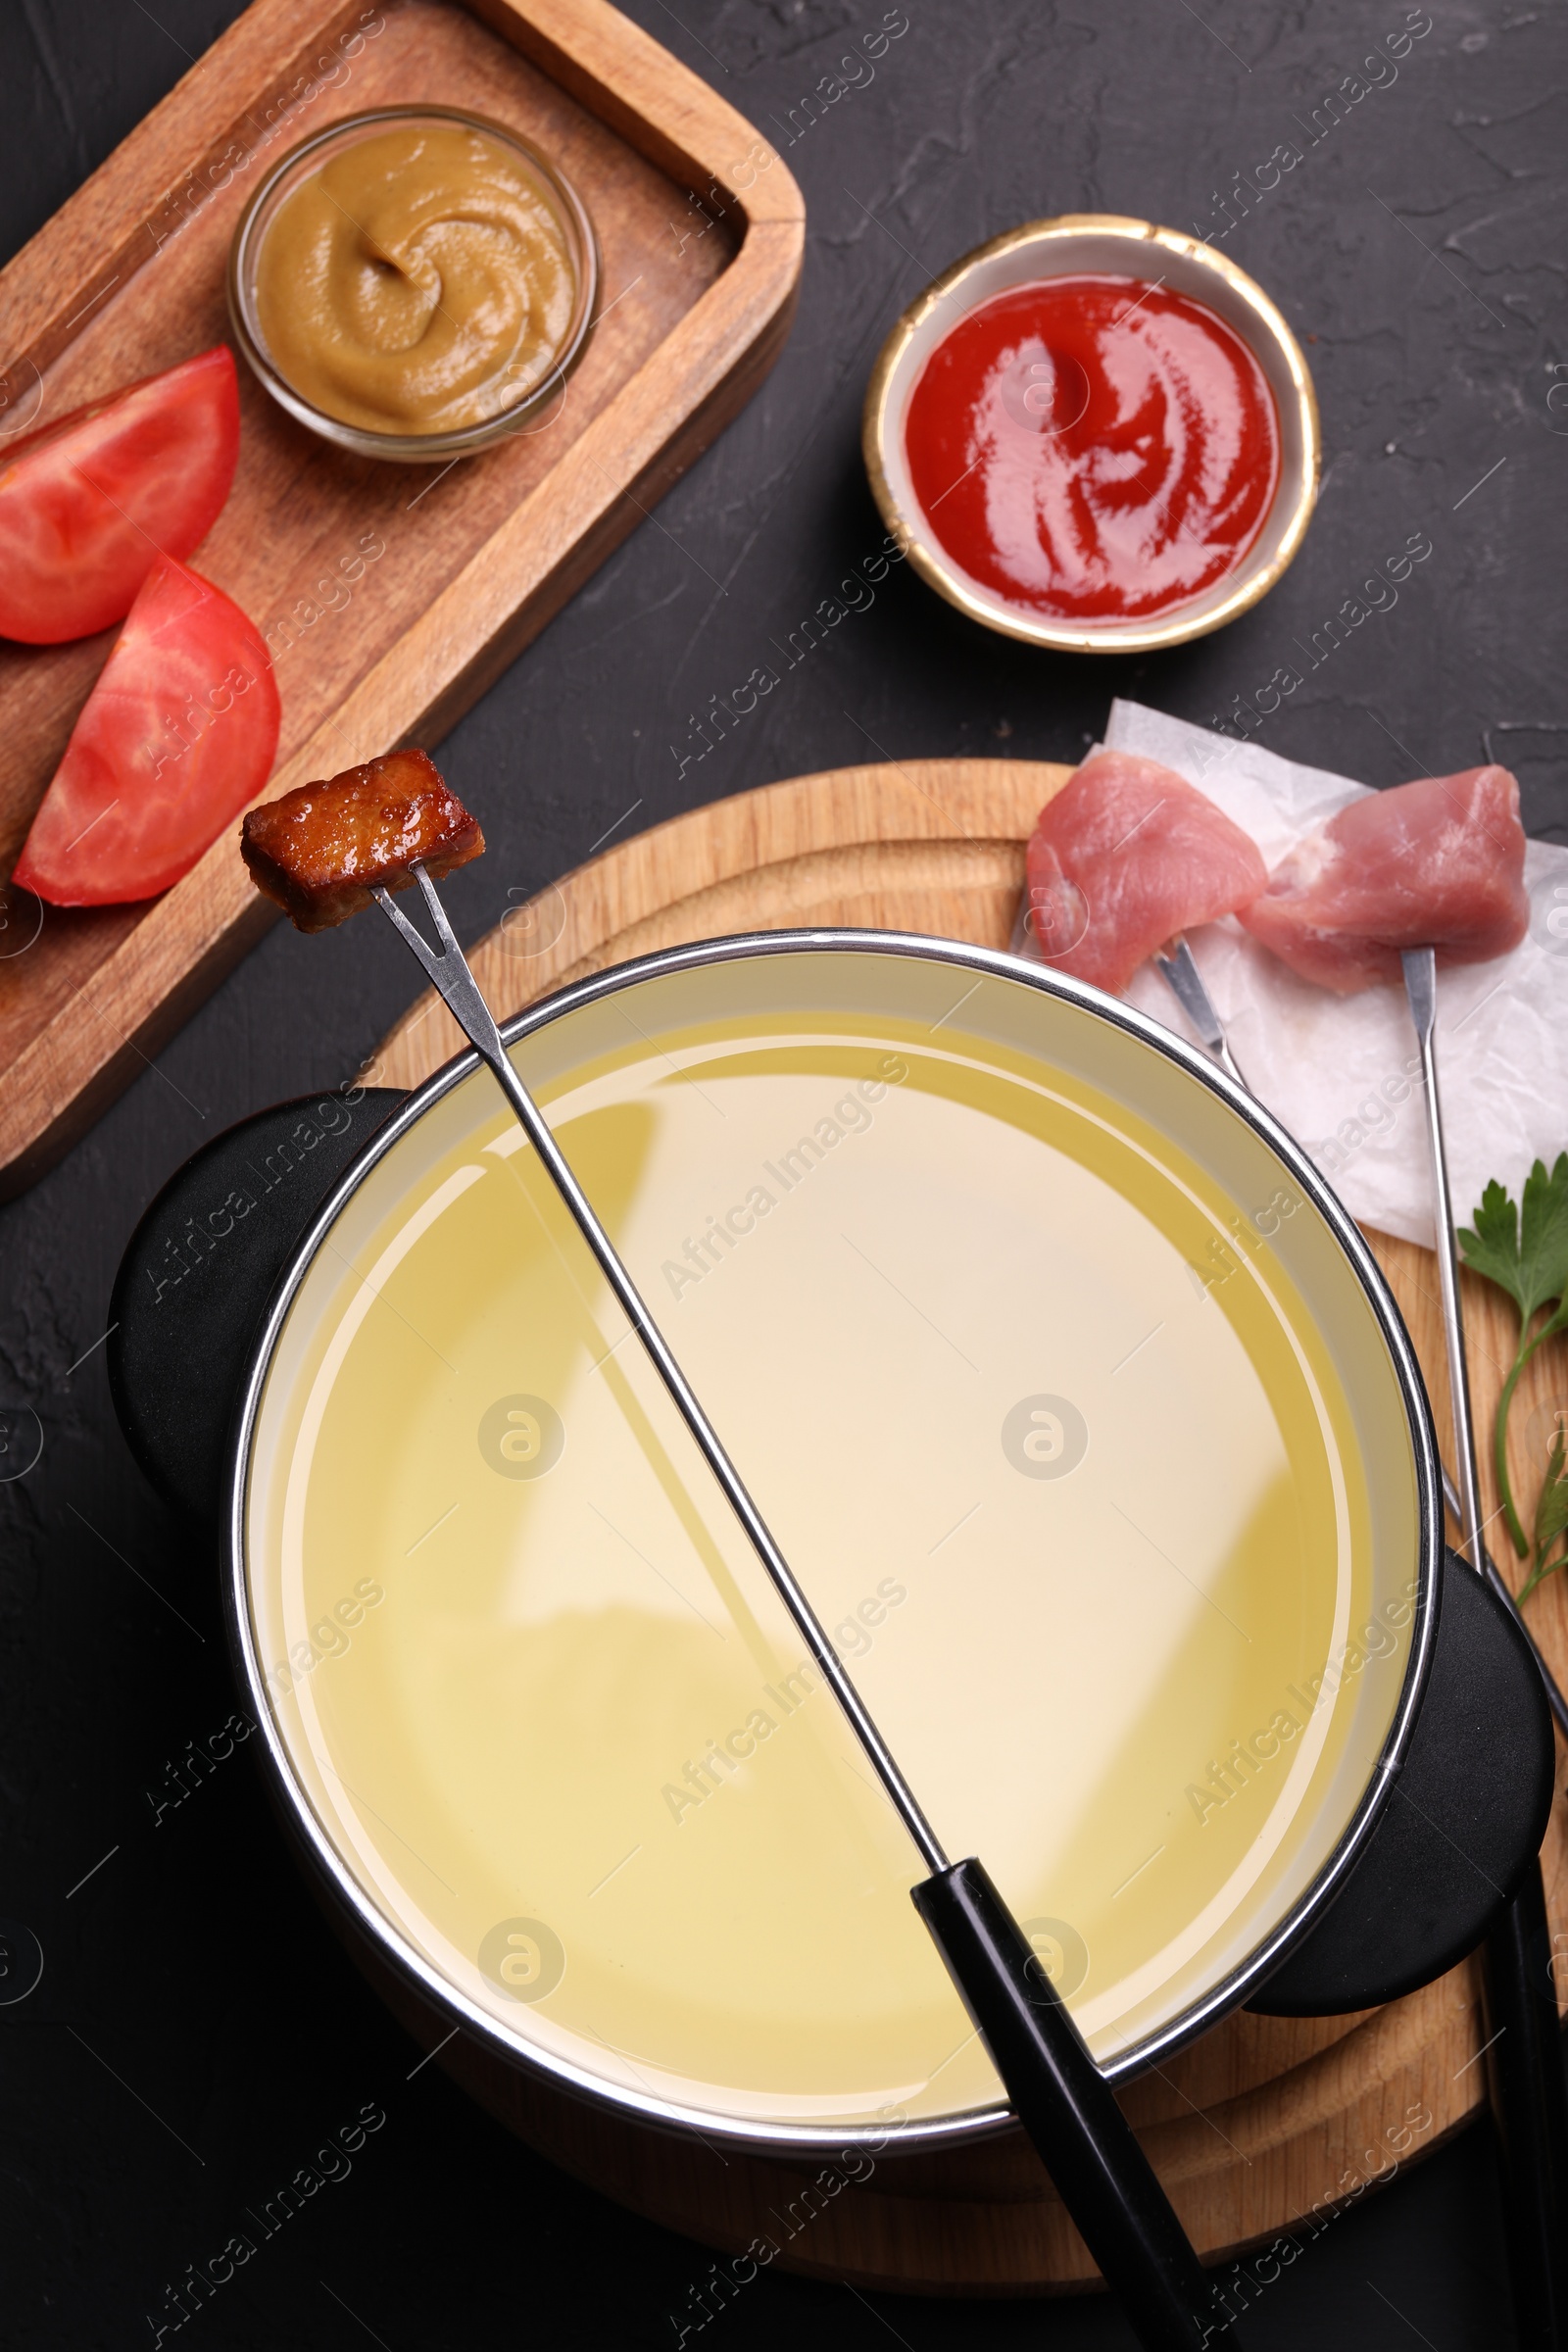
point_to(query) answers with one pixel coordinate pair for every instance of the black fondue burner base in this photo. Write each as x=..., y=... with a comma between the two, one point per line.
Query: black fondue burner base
x=1464, y=1825
x=1466, y=1814
x=198, y=1273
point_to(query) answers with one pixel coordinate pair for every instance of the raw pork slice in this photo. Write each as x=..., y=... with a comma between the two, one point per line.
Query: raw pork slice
x=1125, y=856
x=1437, y=864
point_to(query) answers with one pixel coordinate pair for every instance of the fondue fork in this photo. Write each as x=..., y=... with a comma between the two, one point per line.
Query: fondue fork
x=1055, y=2088
x=1525, y=2057
x=1525, y=2080
x=1421, y=995
x=1519, y=2005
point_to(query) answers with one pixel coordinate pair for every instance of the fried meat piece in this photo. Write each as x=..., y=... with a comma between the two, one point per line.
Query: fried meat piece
x=320, y=849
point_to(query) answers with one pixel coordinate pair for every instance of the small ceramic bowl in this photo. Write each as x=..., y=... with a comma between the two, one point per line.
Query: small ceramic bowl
x=1107, y=244
x=410, y=449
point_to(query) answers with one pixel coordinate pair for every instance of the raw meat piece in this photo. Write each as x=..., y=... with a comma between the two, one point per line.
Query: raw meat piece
x=320, y=849
x=1436, y=864
x=1125, y=856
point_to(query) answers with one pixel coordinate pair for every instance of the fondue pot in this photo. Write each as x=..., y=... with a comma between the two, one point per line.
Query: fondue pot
x=1078, y=1404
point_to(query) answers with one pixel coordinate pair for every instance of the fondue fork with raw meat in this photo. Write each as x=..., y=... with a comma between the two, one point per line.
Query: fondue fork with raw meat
x=1394, y=885
x=322, y=853
x=1436, y=864
x=1126, y=857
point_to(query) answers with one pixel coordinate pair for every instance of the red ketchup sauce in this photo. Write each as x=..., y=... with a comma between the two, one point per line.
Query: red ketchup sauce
x=1094, y=448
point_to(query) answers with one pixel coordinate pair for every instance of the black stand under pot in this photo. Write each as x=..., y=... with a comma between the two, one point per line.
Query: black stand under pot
x=1424, y=1864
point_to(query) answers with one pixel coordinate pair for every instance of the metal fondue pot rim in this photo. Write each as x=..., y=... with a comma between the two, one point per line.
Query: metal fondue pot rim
x=1233, y=1990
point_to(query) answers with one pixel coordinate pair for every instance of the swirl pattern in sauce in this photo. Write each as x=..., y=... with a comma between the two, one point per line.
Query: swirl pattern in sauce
x=420, y=281
x=1094, y=448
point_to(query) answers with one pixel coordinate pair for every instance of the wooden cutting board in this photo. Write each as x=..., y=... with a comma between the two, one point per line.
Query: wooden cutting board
x=389, y=596
x=1263, y=2118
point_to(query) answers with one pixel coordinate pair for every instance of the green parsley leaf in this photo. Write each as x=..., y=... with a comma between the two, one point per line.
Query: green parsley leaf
x=1491, y=1244
x=1526, y=1254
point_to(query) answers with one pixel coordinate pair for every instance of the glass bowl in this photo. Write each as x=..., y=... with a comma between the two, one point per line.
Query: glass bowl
x=408, y=447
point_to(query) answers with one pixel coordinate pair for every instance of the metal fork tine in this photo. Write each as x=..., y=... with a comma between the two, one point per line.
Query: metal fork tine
x=438, y=914
x=412, y=938
x=1177, y=967
x=394, y=913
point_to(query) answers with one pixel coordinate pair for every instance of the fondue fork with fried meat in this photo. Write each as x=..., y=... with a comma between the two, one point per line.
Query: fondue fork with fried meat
x=322, y=853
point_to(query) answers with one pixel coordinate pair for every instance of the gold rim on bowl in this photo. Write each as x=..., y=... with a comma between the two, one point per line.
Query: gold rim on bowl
x=1096, y=241
x=410, y=449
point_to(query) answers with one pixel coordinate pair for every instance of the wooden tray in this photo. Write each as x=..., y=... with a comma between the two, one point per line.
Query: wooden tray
x=1264, y=2119
x=128, y=278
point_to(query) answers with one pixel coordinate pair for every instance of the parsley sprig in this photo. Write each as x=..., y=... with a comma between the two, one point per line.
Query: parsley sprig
x=1551, y=1516
x=1524, y=1249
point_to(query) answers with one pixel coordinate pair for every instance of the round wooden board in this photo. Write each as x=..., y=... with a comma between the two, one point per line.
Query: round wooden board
x=1264, y=2119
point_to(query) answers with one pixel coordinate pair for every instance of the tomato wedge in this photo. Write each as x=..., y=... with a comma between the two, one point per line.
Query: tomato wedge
x=173, y=741
x=88, y=504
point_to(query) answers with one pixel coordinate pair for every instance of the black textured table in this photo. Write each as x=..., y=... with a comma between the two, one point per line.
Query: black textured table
x=196, y=2035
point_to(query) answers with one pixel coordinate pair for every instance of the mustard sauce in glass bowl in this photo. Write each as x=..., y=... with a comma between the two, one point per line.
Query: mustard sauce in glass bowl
x=413, y=283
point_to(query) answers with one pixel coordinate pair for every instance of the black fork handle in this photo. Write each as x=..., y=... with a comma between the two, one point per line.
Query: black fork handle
x=1070, y=2113
x=1525, y=2071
